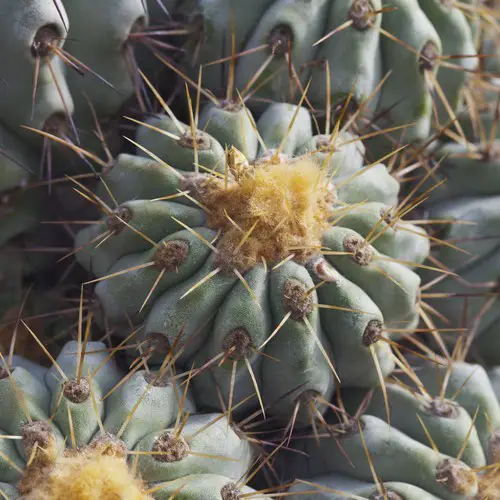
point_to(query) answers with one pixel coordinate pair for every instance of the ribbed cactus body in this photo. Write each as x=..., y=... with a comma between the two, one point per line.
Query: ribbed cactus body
x=280, y=54
x=447, y=413
x=84, y=410
x=193, y=279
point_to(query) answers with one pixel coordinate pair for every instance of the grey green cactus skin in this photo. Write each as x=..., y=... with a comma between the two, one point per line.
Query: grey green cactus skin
x=455, y=403
x=359, y=54
x=136, y=416
x=331, y=298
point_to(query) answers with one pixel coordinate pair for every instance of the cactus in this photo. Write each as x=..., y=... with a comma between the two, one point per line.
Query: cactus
x=286, y=43
x=21, y=209
x=218, y=255
x=448, y=415
x=37, y=86
x=394, y=455
x=29, y=28
x=209, y=486
x=458, y=176
x=78, y=429
x=30, y=31
x=64, y=79
x=107, y=50
x=460, y=168
x=467, y=207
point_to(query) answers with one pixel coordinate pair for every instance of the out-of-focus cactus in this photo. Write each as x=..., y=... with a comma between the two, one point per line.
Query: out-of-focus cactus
x=344, y=49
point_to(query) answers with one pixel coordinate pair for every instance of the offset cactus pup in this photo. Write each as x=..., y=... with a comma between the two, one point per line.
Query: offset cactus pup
x=257, y=242
x=82, y=429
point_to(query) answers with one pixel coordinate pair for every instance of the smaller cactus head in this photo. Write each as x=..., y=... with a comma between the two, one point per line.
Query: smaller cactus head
x=97, y=471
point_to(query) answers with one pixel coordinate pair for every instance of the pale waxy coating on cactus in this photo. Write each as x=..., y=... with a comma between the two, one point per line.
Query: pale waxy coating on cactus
x=283, y=44
x=251, y=259
x=78, y=429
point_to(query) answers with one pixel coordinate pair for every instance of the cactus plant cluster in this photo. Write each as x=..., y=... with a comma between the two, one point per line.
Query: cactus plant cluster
x=290, y=288
x=395, y=59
